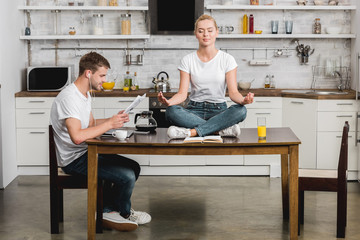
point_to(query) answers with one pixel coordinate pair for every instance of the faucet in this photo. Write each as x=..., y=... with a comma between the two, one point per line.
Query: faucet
x=341, y=86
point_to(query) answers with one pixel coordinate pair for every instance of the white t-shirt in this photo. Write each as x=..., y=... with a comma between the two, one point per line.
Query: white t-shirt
x=69, y=103
x=208, y=78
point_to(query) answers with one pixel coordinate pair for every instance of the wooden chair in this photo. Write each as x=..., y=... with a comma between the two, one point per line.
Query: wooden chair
x=331, y=181
x=60, y=181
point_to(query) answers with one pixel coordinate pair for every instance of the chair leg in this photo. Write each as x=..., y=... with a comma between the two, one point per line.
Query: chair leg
x=99, y=207
x=61, y=205
x=341, y=214
x=54, y=210
x=301, y=210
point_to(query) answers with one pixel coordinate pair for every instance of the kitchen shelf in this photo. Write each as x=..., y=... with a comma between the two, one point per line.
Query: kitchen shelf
x=278, y=7
x=86, y=8
x=77, y=37
x=314, y=36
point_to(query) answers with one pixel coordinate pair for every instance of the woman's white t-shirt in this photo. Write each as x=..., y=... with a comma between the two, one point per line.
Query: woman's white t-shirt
x=69, y=103
x=207, y=79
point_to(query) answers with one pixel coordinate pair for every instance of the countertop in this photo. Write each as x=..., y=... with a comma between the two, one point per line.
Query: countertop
x=258, y=93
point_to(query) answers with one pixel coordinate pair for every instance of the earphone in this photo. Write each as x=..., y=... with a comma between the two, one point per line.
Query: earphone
x=89, y=75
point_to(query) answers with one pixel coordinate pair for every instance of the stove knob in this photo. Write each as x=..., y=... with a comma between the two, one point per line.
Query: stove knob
x=160, y=104
x=153, y=104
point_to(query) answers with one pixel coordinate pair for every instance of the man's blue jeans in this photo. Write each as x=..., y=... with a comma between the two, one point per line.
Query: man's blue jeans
x=206, y=118
x=119, y=175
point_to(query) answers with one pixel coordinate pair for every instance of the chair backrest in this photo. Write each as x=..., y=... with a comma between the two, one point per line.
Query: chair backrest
x=343, y=157
x=52, y=157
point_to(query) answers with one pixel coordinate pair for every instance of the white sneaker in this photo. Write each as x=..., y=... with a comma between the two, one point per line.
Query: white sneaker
x=178, y=132
x=114, y=220
x=233, y=131
x=139, y=217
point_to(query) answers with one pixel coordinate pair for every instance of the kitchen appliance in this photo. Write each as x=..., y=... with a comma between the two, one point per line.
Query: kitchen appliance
x=162, y=84
x=159, y=111
x=174, y=17
x=48, y=78
x=145, y=122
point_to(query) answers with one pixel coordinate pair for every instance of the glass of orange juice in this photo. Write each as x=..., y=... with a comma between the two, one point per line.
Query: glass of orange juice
x=261, y=126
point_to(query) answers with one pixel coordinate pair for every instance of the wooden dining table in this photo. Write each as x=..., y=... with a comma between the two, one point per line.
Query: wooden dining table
x=281, y=141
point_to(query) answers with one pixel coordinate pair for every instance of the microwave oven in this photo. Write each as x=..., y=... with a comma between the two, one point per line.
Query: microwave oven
x=48, y=78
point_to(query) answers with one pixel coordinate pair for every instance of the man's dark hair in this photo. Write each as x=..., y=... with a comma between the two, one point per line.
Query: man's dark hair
x=92, y=61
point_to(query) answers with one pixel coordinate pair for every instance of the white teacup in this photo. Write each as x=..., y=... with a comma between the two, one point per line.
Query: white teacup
x=120, y=134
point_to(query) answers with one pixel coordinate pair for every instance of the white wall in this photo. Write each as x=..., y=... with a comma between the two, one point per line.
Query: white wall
x=12, y=63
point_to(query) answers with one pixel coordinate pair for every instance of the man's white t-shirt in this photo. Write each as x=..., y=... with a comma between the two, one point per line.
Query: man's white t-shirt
x=207, y=79
x=69, y=103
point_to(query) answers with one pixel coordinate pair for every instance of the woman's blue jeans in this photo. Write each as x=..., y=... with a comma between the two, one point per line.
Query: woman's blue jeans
x=205, y=117
x=119, y=180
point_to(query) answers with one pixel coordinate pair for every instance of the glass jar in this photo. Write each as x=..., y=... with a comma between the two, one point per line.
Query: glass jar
x=251, y=24
x=254, y=2
x=317, y=26
x=128, y=80
x=98, y=24
x=125, y=24
x=102, y=3
x=333, y=2
x=113, y=3
x=268, y=2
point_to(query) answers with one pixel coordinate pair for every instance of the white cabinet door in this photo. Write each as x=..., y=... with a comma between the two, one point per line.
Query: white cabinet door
x=301, y=116
x=273, y=117
x=32, y=146
x=328, y=145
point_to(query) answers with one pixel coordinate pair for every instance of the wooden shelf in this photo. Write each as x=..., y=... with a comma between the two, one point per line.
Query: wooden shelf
x=86, y=8
x=278, y=7
x=76, y=37
x=314, y=36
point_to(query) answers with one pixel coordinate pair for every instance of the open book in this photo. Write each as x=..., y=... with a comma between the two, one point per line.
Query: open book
x=206, y=139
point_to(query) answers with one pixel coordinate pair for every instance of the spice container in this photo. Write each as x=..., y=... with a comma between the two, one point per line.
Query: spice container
x=125, y=24
x=102, y=3
x=267, y=82
x=254, y=2
x=317, y=26
x=98, y=24
x=272, y=82
x=72, y=31
x=251, y=24
x=135, y=85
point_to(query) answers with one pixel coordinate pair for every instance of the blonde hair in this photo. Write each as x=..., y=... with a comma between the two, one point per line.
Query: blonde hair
x=205, y=17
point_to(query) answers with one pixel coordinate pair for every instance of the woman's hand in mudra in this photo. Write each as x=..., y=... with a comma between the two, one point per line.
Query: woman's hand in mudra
x=162, y=99
x=249, y=98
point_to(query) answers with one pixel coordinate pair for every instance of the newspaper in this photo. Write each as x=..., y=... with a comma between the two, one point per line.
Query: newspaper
x=136, y=102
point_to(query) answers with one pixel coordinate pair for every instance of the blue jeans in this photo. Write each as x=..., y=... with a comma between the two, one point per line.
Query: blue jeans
x=206, y=118
x=119, y=174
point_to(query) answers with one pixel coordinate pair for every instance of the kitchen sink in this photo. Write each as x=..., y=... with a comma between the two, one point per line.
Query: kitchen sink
x=315, y=92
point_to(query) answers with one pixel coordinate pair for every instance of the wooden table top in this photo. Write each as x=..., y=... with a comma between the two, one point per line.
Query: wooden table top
x=248, y=137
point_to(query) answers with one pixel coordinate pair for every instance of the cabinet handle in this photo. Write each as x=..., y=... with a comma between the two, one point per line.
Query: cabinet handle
x=341, y=136
x=37, y=113
x=36, y=101
x=296, y=102
x=342, y=104
x=124, y=101
x=37, y=132
x=344, y=116
x=264, y=101
x=262, y=113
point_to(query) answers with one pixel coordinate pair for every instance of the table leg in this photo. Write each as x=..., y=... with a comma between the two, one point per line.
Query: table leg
x=92, y=189
x=285, y=185
x=294, y=191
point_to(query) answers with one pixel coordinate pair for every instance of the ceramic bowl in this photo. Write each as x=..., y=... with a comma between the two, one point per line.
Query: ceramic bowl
x=244, y=85
x=301, y=2
x=333, y=30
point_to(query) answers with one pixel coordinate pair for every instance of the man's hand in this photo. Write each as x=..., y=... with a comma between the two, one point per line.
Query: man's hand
x=162, y=99
x=119, y=119
x=249, y=98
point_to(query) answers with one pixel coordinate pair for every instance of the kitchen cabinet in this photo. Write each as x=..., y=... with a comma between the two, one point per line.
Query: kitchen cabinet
x=32, y=121
x=332, y=115
x=271, y=109
x=301, y=116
